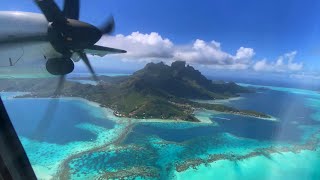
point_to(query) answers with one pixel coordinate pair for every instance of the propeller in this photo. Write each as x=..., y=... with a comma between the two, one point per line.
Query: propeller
x=68, y=35
x=108, y=26
x=46, y=121
x=85, y=59
x=71, y=9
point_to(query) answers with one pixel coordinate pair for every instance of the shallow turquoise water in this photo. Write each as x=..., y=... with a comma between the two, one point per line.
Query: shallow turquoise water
x=302, y=166
x=76, y=127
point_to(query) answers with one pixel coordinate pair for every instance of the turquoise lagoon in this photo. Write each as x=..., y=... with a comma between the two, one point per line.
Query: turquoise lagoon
x=76, y=127
x=88, y=142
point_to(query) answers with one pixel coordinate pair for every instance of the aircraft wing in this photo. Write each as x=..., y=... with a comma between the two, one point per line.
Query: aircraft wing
x=102, y=51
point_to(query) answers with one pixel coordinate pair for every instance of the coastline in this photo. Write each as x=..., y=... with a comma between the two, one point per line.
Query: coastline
x=287, y=166
x=208, y=164
x=218, y=101
x=220, y=166
x=63, y=170
x=237, y=113
x=109, y=113
x=274, y=119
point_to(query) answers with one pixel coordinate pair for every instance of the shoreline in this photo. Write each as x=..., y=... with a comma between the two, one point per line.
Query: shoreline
x=188, y=112
x=287, y=164
x=273, y=119
x=63, y=170
x=226, y=101
x=110, y=113
x=217, y=101
x=311, y=145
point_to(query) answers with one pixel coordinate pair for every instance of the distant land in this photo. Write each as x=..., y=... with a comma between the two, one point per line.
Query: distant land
x=157, y=91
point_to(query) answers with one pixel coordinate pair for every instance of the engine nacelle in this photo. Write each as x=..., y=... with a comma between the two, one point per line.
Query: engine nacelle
x=60, y=66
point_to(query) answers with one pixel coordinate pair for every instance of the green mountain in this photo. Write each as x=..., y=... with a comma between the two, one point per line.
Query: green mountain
x=179, y=80
x=157, y=91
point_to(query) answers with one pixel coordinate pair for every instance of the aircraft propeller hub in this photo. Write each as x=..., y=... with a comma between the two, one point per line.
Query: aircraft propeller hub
x=80, y=35
x=73, y=36
x=60, y=66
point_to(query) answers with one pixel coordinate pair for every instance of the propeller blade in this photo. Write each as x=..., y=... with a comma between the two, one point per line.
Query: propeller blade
x=62, y=80
x=85, y=59
x=51, y=11
x=102, y=51
x=71, y=9
x=109, y=26
x=46, y=121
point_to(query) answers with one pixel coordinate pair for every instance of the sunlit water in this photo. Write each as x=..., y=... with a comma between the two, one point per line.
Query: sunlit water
x=234, y=147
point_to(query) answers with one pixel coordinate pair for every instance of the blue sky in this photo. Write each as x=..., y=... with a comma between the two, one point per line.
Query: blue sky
x=271, y=28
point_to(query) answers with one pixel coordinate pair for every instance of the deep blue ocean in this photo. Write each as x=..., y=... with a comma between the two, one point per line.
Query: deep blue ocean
x=28, y=115
x=290, y=110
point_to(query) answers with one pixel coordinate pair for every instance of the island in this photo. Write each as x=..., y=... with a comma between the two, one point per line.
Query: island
x=158, y=91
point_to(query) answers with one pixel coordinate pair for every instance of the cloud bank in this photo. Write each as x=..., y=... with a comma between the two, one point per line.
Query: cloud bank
x=153, y=47
x=284, y=63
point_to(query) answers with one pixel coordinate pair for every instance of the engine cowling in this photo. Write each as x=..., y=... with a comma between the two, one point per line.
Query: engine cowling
x=61, y=66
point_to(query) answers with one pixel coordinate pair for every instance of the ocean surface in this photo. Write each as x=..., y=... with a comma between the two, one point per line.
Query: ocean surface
x=84, y=141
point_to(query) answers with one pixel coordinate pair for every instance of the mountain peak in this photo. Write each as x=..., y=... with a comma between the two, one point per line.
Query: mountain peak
x=178, y=65
x=179, y=80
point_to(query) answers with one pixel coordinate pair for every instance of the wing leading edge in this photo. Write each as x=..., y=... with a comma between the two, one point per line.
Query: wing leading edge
x=102, y=51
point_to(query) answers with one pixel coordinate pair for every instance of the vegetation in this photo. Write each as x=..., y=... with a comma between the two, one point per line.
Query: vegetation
x=157, y=91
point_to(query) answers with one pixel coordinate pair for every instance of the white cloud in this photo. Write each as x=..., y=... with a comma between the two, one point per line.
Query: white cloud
x=284, y=63
x=203, y=53
x=292, y=65
x=142, y=47
x=149, y=47
x=261, y=65
x=153, y=47
x=244, y=54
